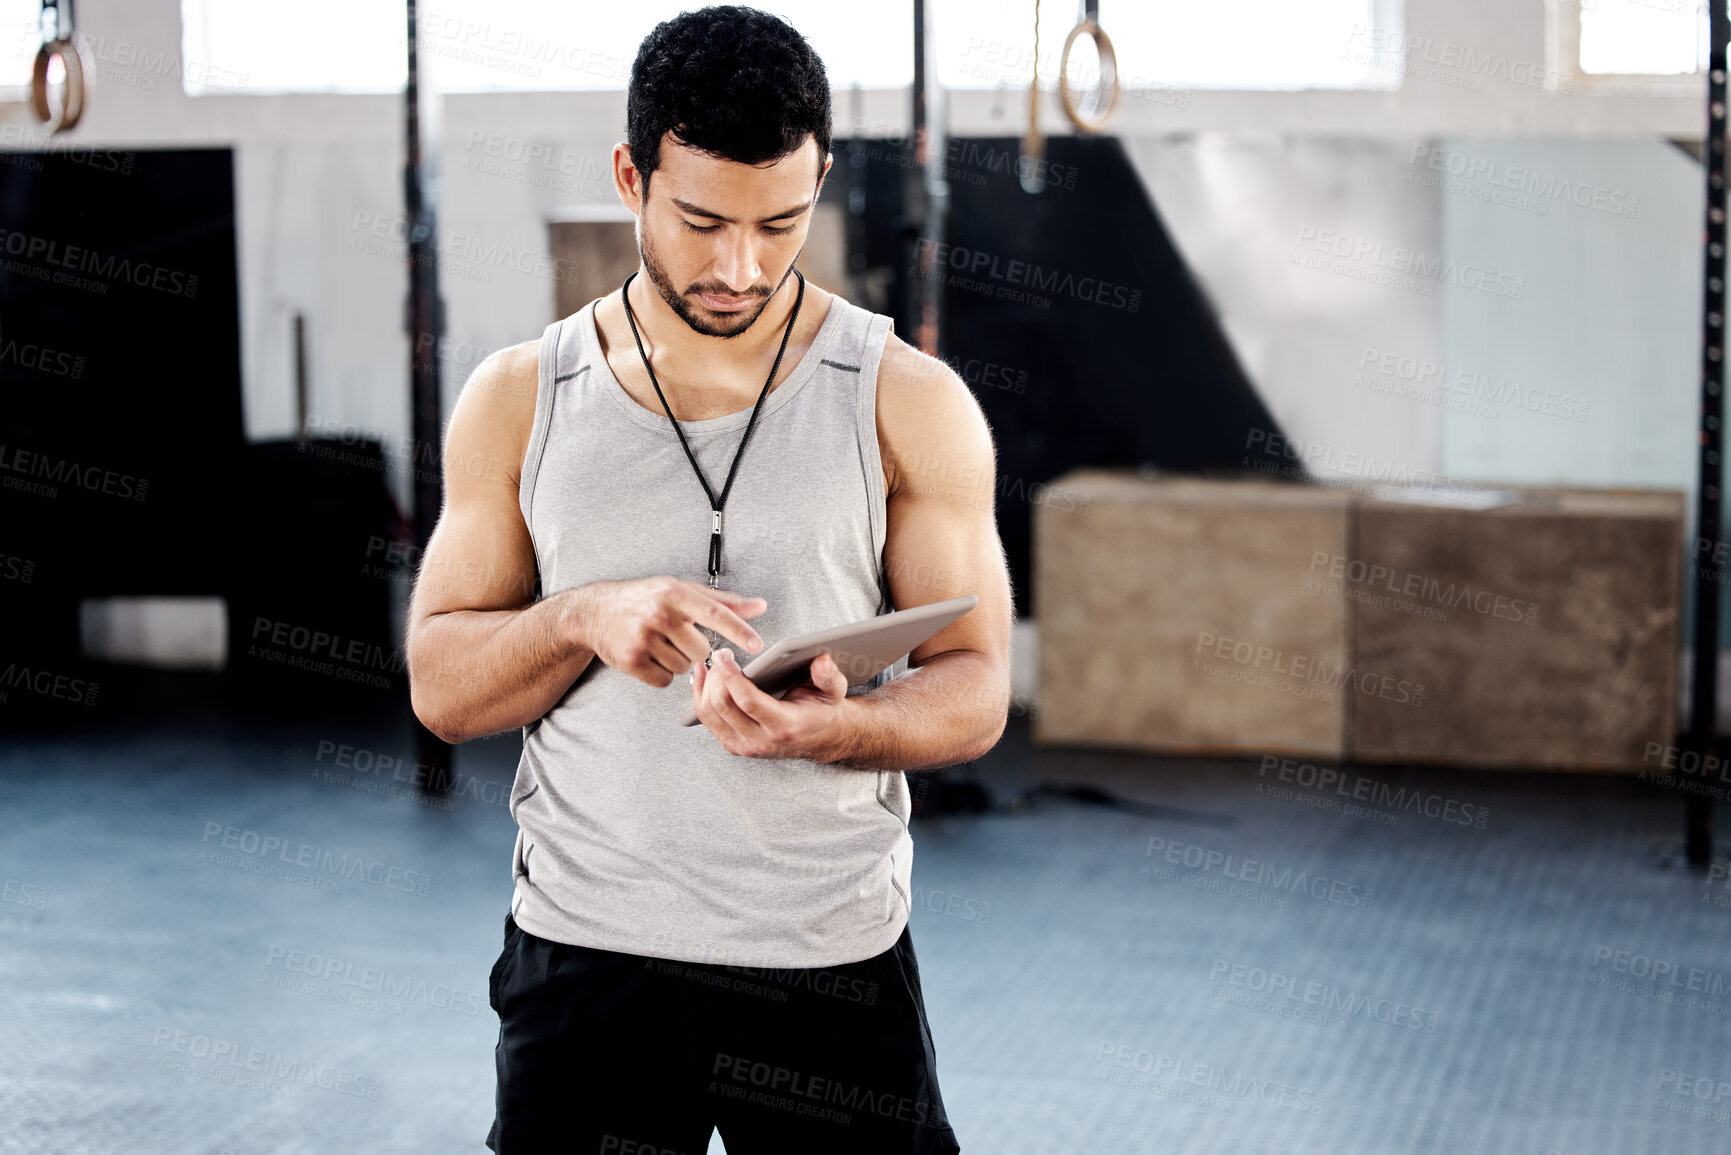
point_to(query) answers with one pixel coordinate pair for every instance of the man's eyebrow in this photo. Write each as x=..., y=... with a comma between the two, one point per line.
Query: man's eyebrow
x=698, y=211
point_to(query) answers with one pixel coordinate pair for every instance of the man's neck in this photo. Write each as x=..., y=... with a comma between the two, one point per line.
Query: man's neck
x=670, y=339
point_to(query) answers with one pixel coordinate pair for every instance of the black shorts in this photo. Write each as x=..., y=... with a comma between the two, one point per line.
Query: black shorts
x=618, y=1054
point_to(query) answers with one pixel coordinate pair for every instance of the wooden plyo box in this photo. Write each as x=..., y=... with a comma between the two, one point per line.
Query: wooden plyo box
x=1174, y=615
x=1180, y=614
x=1544, y=632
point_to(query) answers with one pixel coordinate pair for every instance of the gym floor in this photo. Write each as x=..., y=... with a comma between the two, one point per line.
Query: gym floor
x=1464, y=962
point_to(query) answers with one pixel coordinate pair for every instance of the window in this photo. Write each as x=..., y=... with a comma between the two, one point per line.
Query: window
x=492, y=45
x=488, y=45
x=1643, y=37
x=306, y=46
x=21, y=27
x=1163, y=44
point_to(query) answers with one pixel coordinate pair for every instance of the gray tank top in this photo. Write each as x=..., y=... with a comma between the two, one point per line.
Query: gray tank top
x=641, y=835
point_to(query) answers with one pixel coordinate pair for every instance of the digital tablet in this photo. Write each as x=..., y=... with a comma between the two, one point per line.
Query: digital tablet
x=863, y=649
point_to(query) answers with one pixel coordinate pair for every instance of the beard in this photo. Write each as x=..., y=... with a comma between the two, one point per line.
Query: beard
x=713, y=325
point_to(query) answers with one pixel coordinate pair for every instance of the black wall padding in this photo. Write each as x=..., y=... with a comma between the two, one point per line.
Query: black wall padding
x=119, y=364
x=123, y=468
x=1120, y=361
x=120, y=409
x=309, y=595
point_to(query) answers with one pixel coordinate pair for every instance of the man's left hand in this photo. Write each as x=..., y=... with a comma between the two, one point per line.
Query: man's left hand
x=752, y=724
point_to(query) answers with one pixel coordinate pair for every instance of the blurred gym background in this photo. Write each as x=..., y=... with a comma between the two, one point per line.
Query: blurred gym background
x=1355, y=373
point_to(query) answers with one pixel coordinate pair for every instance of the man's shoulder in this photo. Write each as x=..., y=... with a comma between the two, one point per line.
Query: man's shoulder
x=495, y=413
x=910, y=378
x=507, y=375
x=926, y=413
x=522, y=358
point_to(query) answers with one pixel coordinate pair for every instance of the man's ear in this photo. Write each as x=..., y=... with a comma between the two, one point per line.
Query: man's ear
x=823, y=175
x=629, y=182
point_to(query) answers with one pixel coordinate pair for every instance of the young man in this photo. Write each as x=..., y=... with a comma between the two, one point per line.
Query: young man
x=709, y=926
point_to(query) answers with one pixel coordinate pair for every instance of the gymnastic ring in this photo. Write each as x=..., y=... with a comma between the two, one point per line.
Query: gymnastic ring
x=1108, y=66
x=78, y=73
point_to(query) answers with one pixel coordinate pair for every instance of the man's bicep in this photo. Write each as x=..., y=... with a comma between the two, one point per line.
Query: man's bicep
x=481, y=556
x=938, y=550
x=943, y=536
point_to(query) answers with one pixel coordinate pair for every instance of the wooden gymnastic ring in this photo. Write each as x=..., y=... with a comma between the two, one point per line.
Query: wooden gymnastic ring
x=78, y=73
x=1108, y=61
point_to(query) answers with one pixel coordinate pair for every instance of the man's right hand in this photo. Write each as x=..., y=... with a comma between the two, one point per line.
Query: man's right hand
x=648, y=627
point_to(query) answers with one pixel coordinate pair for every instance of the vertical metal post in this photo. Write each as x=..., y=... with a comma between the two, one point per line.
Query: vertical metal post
x=424, y=324
x=1698, y=809
x=931, y=321
x=300, y=369
x=915, y=196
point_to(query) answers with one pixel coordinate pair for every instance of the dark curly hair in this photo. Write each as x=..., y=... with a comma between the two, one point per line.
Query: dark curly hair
x=729, y=80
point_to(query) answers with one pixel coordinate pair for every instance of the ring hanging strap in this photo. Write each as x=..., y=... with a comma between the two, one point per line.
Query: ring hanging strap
x=1106, y=97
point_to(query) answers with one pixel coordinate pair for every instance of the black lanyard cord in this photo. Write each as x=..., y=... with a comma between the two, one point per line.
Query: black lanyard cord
x=715, y=503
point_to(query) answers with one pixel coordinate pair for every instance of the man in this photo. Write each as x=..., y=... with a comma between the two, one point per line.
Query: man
x=709, y=926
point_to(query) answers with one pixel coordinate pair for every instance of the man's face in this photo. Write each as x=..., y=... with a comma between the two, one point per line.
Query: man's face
x=718, y=238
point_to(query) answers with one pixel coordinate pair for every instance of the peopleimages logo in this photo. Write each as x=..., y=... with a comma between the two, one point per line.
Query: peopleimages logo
x=1703, y=1087
x=1359, y=788
x=336, y=978
x=375, y=772
x=1214, y=1077
x=1541, y=187
x=1399, y=263
x=75, y=152
x=1326, y=998
x=1662, y=972
x=79, y=259
x=305, y=855
x=973, y=263
x=1687, y=760
x=116, y=62
x=41, y=359
x=1260, y=873
x=229, y=1061
x=1401, y=582
x=468, y=254
x=821, y=982
x=1447, y=61
x=48, y=684
x=1348, y=469
x=302, y=648
x=989, y=374
x=1300, y=670
x=23, y=894
x=456, y=33
x=25, y=463
x=1472, y=385
x=786, y=1088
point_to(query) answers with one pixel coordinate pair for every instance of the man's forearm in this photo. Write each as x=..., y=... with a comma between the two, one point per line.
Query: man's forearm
x=950, y=710
x=479, y=672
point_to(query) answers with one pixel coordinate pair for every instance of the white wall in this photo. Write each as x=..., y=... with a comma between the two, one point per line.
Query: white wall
x=1238, y=175
x=296, y=233
x=1244, y=210
x=1611, y=315
x=1557, y=340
